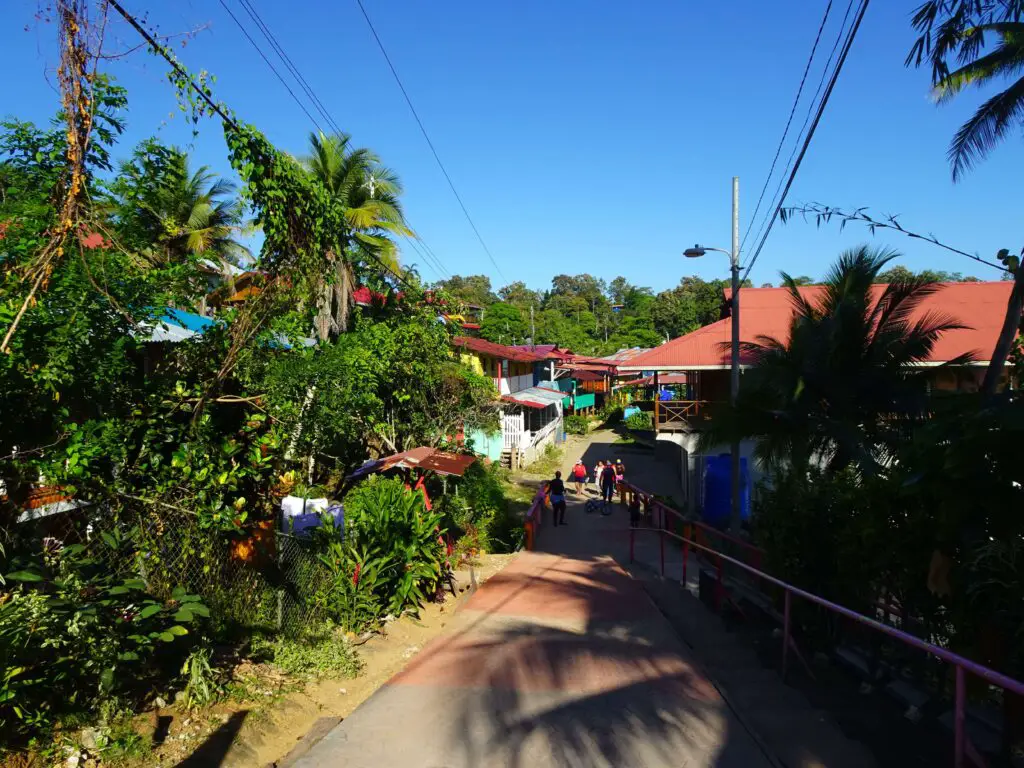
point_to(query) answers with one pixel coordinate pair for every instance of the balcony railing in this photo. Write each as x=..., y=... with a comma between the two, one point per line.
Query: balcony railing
x=679, y=415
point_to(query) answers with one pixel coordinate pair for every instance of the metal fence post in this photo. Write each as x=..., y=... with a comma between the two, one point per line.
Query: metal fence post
x=785, y=634
x=686, y=551
x=661, y=542
x=719, y=587
x=959, y=738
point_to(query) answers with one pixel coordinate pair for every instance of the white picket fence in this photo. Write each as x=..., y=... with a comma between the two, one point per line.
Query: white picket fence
x=512, y=428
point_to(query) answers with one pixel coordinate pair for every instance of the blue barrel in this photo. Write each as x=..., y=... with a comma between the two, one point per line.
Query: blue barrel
x=718, y=490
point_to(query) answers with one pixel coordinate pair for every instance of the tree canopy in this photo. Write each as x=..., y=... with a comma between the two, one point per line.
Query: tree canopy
x=587, y=314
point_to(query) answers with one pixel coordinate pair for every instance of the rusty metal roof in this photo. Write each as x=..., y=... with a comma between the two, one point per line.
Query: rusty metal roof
x=500, y=351
x=423, y=457
x=447, y=463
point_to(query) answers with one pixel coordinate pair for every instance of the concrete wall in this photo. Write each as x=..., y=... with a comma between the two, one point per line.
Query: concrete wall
x=487, y=445
x=679, y=449
x=535, y=451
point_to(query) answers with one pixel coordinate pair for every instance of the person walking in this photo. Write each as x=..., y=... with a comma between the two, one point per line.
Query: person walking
x=556, y=491
x=579, y=476
x=598, y=468
x=607, y=483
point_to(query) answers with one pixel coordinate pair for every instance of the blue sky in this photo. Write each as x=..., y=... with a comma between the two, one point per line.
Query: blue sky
x=583, y=135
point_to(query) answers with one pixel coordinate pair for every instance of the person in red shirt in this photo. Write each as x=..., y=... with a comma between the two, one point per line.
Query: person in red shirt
x=579, y=476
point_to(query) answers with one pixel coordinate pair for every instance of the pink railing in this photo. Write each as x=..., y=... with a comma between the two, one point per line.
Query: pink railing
x=534, y=517
x=962, y=746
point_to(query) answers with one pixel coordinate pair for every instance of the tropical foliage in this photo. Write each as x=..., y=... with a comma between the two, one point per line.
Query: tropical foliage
x=181, y=451
x=392, y=556
x=964, y=31
x=587, y=315
x=842, y=389
x=369, y=194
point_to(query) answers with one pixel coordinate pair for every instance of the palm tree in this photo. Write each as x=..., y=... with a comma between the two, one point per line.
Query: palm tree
x=843, y=387
x=369, y=194
x=961, y=28
x=193, y=215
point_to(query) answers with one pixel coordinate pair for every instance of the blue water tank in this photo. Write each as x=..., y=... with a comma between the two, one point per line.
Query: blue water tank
x=718, y=490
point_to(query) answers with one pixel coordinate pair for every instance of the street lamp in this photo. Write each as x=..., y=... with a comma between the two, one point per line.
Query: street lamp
x=734, y=383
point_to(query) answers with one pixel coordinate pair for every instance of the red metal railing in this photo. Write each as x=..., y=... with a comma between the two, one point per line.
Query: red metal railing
x=534, y=517
x=962, y=746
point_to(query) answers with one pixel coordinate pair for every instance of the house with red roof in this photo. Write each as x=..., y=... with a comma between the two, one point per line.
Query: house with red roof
x=531, y=414
x=699, y=362
x=703, y=356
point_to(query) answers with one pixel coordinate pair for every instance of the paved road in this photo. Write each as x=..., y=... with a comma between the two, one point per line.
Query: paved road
x=559, y=660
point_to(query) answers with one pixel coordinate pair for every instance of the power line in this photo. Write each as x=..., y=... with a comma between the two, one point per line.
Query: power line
x=427, y=258
x=807, y=118
x=789, y=121
x=430, y=143
x=217, y=108
x=271, y=65
x=810, y=134
x=311, y=93
x=304, y=85
x=430, y=250
x=279, y=49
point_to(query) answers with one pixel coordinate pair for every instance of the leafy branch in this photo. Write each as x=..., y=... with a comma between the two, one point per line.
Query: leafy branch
x=824, y=214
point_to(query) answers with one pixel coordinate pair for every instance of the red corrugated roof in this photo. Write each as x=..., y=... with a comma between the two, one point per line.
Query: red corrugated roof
x=663, y=380
x=547, y=351
x=768, y=312
x=500, y=351
x=583, y=374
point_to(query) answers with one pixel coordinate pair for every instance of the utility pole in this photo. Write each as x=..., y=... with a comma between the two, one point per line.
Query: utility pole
x=734, y=380
x=533, y=329
x=734, y=383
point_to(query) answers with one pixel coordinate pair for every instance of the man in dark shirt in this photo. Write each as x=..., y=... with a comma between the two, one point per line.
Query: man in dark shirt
x=556, y=490
x=608, y=483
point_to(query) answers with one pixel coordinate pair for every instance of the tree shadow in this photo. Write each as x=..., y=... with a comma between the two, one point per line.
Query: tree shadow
x=612, y=686
x=215, y=748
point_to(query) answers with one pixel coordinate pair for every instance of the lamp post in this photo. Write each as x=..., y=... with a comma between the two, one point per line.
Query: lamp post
x=734, y=381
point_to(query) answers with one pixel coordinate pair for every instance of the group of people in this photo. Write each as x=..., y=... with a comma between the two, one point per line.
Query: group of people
x=607, y=475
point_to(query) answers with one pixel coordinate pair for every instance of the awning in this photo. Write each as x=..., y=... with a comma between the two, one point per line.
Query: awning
x=424, y=457
x=535, y=397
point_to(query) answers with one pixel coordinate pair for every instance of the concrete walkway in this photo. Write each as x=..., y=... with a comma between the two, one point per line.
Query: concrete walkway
x=561, y=659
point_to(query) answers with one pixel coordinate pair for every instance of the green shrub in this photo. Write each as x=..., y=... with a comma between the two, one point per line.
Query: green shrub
x=640, y=420
x=481, y=513
x=202, y=679
x=353, y=595
x=317, y=655
x=577, y=425
x=610, y=414
x=392, y=556
x=74, y=634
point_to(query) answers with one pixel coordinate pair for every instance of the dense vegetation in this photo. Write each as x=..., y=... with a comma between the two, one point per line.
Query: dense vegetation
x=180, y=451
x=587, y=315
x=877, y=489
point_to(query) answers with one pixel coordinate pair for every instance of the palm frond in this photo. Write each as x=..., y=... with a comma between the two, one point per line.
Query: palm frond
x=993, y=120
x=1005, y=60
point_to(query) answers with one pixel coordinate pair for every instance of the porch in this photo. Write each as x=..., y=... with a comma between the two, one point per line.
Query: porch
x=680, y=415
x=531, y=421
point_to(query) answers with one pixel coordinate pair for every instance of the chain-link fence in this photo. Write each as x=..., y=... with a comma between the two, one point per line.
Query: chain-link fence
x=259, y=579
